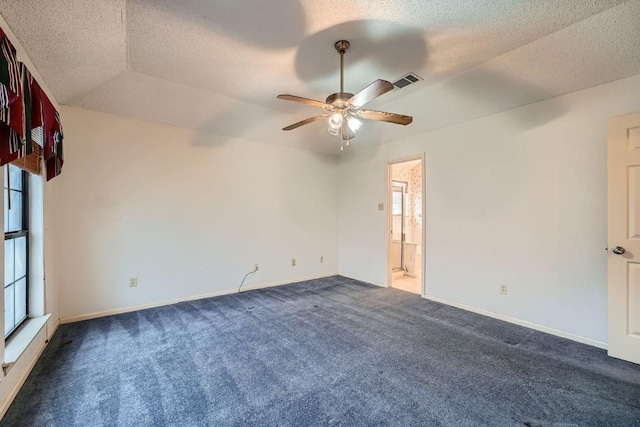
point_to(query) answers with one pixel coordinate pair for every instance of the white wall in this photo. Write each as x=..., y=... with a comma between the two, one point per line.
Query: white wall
x=187, y=213
x=517, y=198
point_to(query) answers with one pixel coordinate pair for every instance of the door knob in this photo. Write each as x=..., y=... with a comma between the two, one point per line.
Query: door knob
x=618, y=250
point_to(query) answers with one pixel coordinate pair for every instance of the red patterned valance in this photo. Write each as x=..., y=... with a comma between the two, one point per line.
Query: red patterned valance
x=24, y=107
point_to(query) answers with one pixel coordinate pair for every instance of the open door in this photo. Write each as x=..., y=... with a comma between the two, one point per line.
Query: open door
x=398, y=234
x=624, y=237
x=405, y=236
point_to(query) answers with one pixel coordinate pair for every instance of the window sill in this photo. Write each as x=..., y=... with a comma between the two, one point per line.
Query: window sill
x=18, y=343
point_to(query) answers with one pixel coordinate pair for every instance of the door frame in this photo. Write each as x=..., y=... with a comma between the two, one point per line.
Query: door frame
x=389, y=220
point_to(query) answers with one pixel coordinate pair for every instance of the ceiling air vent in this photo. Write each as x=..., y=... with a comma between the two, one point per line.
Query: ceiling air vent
x=406, y=80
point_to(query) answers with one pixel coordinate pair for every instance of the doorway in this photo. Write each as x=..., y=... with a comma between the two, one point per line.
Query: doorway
x=406, y=242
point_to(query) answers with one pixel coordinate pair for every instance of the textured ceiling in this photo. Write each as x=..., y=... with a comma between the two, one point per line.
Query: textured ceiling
x=218, y=66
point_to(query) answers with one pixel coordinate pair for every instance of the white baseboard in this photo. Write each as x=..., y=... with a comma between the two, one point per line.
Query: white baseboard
x=367, y=281
x=526, y=324
x=54, y=329
x=95, y=315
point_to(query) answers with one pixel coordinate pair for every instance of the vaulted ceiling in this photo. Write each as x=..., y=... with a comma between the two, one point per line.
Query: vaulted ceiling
x=218, y=66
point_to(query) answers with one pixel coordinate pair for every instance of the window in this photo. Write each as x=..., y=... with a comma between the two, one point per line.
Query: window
x=16, y=248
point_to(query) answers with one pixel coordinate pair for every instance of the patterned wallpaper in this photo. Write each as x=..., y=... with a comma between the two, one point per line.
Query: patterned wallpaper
x=415, y=196
x=400, y=174
x=413, y=178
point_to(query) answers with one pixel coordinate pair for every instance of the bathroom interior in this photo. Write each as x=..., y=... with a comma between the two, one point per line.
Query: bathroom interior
x=405, y=251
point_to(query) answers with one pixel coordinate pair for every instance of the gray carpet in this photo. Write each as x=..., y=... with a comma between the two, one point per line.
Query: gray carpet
x=333, y=352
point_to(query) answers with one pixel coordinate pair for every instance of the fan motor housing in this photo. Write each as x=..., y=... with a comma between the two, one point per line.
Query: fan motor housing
x=339, y=99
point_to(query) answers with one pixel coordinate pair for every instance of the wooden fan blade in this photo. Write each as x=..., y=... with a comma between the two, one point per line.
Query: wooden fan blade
x=305, y=122
x=306, y=101
x=369, y=93
x=384, y=117
x=347, y=132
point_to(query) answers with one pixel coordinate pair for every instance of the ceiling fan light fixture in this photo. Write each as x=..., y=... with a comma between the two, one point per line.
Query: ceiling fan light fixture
x=333, y=131
x=336, y=121
x=354, y=124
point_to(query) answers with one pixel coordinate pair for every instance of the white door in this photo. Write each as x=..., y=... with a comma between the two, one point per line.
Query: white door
x=624, y=237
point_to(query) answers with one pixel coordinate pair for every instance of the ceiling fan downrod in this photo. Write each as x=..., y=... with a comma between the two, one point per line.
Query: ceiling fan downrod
x=342, y=46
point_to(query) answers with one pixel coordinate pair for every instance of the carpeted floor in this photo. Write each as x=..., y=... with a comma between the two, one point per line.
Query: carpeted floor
x=333, y=351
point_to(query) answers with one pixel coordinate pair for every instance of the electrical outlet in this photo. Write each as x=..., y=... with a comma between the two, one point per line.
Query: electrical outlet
x=256, y=266
x=503, y=289
x=133, y=282
x=321, y=259
x=380, y=206
x=293, y=262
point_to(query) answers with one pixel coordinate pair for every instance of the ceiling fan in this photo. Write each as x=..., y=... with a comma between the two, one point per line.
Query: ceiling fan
x=344, y=108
